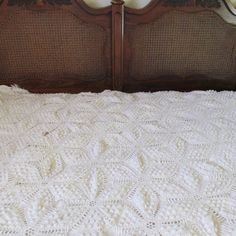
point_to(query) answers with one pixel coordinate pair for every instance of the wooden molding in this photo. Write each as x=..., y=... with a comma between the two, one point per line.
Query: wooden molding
x=117, y=43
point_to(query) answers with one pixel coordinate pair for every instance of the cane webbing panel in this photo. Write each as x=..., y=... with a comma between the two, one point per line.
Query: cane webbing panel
x=52, y=43
x=183, y=44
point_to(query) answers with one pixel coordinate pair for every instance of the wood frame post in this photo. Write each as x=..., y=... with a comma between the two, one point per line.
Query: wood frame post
x=117, y=43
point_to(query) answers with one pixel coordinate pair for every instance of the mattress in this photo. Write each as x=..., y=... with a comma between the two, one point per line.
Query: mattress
x=117, y=164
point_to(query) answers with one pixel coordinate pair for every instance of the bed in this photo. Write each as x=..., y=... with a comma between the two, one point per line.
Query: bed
x=87, y=149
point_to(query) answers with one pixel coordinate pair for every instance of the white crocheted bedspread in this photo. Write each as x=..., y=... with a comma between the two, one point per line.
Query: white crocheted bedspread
x=117, y=164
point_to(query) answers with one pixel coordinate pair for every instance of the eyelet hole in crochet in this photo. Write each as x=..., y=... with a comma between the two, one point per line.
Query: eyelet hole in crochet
x=151, y=225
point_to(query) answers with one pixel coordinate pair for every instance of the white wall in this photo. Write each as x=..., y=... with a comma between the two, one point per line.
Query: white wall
x=130, y=3
x=233, y=2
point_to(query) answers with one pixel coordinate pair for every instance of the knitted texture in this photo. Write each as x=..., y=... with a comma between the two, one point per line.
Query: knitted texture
x=117, y=164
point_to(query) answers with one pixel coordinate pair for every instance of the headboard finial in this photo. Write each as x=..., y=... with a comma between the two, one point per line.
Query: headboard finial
x=117, y=2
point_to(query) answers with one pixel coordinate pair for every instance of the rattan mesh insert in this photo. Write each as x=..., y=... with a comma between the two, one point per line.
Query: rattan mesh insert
x=183, y=44
x=53, y=43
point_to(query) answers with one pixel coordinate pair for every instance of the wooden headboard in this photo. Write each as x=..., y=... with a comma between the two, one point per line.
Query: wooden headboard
x=180, y=45
x=66, y=46
x=55, y=46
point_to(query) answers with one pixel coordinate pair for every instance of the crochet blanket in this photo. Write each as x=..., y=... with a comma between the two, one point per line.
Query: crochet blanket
x=117, y=164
